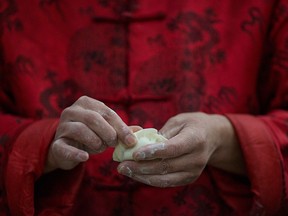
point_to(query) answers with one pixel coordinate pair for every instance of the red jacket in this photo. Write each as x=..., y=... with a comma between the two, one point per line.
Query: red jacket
x=148, y=60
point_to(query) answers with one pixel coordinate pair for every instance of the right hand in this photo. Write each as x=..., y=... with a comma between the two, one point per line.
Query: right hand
x=86, y=127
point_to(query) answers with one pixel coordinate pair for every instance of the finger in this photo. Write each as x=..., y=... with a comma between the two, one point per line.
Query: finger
x=147, y=167
x=168, y=149
x=168, y=180
x=67, y=156
x=171, y=128
x=187, y=141
x=94, y=121
x=184, y=163
x=123, y=132
x=82, y=134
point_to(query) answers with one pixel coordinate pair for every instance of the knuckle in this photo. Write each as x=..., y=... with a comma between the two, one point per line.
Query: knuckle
x=200, y=137
x=173, y=150
x=66, y=113
x=165, y=167
x=67, y=155
x=96, y=147
x=108, y=113
x=125, y=131
x=94, y=143
x=87, y=102
x=175, y=120
x=78, y=129
x=83, y=100
x=68, y=130
x=111, y=138
x=90, y=118
x=101, y=149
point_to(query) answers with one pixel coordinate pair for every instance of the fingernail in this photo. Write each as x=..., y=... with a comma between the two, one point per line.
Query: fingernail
x=82, y=156
x=125, y=170
x=130, y=139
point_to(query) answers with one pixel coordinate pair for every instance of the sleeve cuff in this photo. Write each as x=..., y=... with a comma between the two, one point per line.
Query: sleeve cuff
x=262, y=162
x=25, y=166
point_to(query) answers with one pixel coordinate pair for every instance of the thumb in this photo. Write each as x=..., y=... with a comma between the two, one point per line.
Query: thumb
x=67, y=156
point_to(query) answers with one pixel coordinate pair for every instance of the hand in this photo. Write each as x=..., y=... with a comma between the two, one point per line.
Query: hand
x=195, y=140
x=86, y=127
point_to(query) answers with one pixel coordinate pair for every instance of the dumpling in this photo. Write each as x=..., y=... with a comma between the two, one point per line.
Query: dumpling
x=144, y=137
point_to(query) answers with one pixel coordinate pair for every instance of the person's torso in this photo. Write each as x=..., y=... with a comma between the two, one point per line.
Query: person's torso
x=148, y=60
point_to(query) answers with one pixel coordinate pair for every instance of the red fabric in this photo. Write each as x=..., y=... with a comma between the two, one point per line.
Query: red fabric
x=147, y=60
x=261, y=157
x=25, y=165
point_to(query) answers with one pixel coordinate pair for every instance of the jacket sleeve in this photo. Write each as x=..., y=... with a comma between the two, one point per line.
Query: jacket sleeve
x=23, y=188
x=24, y=143
x=264, y=137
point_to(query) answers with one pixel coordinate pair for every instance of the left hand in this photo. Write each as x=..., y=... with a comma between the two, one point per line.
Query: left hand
x=195, y=140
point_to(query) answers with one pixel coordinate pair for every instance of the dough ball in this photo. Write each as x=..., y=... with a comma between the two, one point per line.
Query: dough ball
x=144, y=137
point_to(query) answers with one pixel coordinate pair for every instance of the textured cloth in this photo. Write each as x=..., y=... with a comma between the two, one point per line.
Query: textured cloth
x=148, y=60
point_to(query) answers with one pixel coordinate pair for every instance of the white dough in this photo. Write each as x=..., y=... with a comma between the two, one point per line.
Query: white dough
x=144, y=137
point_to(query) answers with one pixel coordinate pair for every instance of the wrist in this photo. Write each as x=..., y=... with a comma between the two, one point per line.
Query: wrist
x=227, y=154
